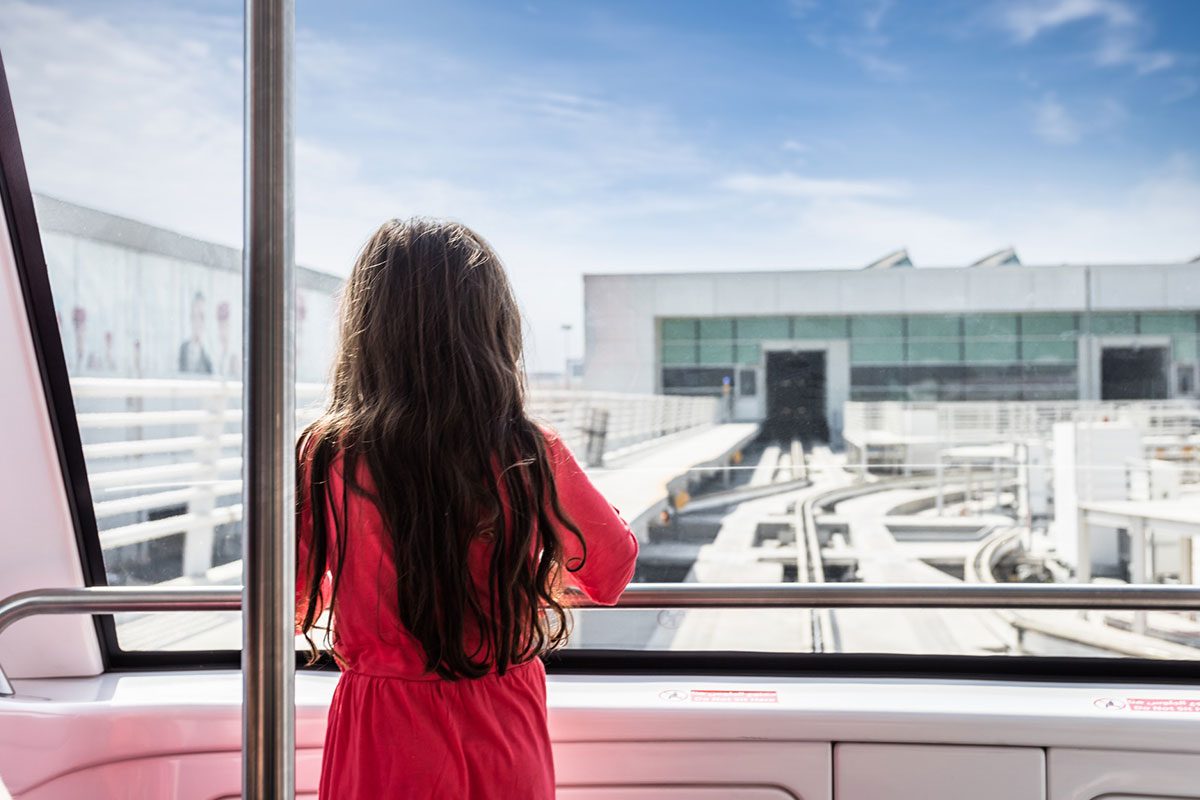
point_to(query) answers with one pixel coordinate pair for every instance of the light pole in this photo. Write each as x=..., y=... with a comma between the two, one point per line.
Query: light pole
x=566, y=329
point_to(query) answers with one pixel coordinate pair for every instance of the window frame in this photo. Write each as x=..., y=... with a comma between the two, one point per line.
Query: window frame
x=33, y=278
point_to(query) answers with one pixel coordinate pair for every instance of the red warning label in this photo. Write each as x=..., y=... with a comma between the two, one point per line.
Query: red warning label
x=733, y=696
x=1186, y=705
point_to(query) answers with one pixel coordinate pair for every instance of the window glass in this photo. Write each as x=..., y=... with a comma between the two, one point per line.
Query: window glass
x=679, y=329
x=131, y=127
x=877, y=340
x=990, y=338
x=748, y=353
x=1049, y=337
x=818, y=327
x=951, y=414
x=934, y=339
x=1114, y=323
x=1181, y=327
x=758, y=328
x=679, y=342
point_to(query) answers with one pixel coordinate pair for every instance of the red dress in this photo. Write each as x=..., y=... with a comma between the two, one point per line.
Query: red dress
x=396, y=731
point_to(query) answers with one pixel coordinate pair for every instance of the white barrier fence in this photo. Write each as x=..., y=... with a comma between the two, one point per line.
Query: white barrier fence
x=985, y=422
x=164, y=456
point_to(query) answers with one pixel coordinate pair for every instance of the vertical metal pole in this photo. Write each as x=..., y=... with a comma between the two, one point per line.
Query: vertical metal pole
x=268, y=611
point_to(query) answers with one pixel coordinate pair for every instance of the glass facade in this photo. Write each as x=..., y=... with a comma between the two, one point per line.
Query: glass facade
x=920, y=356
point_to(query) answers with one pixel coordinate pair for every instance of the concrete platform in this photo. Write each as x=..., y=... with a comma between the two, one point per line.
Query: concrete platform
x=637, y=485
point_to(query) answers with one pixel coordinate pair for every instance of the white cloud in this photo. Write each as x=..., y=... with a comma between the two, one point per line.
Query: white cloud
x=144, y=120
x=1119, y=49
x=142, y=116
x=1151, y=219
x=875, y=64
x=788, y=184
x=1121, y=39
x=1053, y=123
x=1028, y=20
x=873, y=16
x=802, y=8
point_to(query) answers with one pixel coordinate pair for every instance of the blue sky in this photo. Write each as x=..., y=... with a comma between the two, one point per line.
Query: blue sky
x=630, y=136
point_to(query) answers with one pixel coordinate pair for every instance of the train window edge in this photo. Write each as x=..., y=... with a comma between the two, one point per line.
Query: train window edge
x=34, y=281
x=1045, y=669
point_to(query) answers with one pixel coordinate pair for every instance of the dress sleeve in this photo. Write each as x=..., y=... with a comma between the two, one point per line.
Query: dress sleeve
x=611, y=551
x=304, y=543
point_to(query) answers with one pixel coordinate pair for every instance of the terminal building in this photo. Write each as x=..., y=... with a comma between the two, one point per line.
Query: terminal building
x=789, y=348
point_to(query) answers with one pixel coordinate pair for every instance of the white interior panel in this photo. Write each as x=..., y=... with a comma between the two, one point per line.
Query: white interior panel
x=1123, y=775
x=802, y=769
x=932, y=772
x=37, y=535
x=675, y=793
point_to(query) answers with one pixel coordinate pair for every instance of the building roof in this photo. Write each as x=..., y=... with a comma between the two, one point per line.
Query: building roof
x=60, y=216
x=895, y=260
x=1006, y=257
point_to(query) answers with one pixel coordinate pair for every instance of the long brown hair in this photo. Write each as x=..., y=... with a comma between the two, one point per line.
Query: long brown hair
x=428, y=393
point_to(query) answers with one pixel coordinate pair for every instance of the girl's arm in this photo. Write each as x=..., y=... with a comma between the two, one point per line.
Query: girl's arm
x=304, y=541
x=612, y=549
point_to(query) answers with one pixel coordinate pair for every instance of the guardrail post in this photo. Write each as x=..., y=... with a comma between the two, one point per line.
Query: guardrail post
x=198, y=539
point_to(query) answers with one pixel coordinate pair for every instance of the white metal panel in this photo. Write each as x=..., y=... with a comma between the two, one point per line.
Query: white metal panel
x=736, y=296
x=1123, y=287
x=618, y=300
x=1122, y=775
x=932, y=290
x=933, y=772
x=37, y=536
x=870, y=292
x=805, y=292
x=802, y=769
x=1183, y=287
x=685, y=295
x=673, y=793
x=174, y=776
x=615, y=729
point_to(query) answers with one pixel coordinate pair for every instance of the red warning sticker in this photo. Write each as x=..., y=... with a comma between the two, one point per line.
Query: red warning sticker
x=733, y=696
x=1186, y=705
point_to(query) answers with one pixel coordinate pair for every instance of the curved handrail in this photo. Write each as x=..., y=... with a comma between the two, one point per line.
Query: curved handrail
x=119, y=599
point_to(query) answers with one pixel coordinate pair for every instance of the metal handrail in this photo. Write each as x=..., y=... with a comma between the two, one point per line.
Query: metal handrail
x=112, y=600
x=115, y=599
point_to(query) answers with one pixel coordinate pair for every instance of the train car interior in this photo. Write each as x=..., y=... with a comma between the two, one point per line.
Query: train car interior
x=905, y=531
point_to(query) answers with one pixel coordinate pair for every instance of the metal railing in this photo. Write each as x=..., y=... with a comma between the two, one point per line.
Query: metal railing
x=164, y=455
x=110, y=600
x=976, y=422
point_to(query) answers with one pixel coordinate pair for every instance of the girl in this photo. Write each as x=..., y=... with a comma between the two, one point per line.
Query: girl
x=437, y=525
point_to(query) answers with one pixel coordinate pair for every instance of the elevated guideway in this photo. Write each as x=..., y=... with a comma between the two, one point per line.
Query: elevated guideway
x=639, y=484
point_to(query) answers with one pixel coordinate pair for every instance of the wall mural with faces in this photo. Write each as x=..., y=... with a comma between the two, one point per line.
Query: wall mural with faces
x=129, y=314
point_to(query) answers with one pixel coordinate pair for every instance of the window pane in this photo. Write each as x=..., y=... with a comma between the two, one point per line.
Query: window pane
x=1049, y=337
x=132, y=138
x=659, y=227
x=990, y=338
x=678, y=353
x=1114, y=323
x=819, y=327
x=748, y=353
x=934, y=339
x=877, y=340
x=716, y=353
x=758, y=328
x=685, y=329
x=1181, y=327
